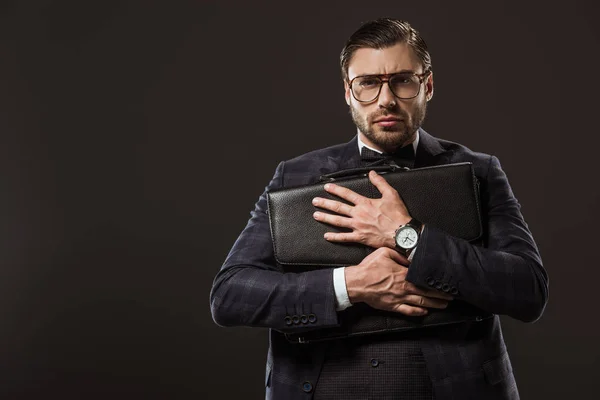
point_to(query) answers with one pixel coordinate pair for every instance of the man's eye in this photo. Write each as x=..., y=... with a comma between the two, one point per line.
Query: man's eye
x=402, y=80
x=369, y=82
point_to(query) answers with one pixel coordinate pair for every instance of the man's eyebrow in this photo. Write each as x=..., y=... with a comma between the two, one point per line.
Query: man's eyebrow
x=403, y=71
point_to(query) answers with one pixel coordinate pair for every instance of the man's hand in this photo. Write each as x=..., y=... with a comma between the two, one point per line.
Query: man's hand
x=373, y=221
x=380, y=281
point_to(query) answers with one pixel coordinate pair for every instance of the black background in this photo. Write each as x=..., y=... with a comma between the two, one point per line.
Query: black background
x=135, y=138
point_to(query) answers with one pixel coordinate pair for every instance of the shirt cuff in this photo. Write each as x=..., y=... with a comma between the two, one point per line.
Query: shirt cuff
x=412, y=253
x=339, y=287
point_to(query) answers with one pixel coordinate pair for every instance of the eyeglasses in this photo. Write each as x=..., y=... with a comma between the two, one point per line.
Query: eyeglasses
x=404, y=85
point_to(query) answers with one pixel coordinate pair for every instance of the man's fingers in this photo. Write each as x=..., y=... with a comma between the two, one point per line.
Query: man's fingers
x=342, y=237
x=332, y=205
x=439, y=295
x=423, y=301
x=409, y=310
x=411, y=288
x=345, y=193
x=334, y=220
x=381, y=184
x=394, y=255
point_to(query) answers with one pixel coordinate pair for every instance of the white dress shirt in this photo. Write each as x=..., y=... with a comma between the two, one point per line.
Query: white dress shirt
x=339, y=277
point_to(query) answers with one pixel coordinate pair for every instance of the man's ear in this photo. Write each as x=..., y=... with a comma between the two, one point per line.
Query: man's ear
x=347, y=92
x=429, y=87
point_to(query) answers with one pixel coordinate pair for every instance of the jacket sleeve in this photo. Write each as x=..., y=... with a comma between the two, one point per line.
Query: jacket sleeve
x=505, y=276
x=251, y=289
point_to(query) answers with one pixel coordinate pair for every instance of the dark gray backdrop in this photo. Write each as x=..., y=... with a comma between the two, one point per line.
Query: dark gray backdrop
x=135, y=138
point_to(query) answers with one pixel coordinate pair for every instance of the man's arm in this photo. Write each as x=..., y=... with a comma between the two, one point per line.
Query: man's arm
x=251, y=289
x=505, y=277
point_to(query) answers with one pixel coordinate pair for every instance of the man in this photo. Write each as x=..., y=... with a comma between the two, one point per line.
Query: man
x=388, y=81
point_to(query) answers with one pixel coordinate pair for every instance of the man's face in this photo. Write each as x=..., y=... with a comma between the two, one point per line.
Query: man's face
x=408, y=114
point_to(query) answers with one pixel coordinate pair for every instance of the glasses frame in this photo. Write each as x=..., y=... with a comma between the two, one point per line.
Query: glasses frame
x=421, y=78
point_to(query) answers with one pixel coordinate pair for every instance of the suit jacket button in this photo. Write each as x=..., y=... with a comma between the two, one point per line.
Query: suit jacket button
x=446, y=287
x=430, y=281
x=288, y=320
x=296, y=319
x=454, y=290
x=374, y=362
x=307, y=387
x=438, y=285
x=312, y=318
x=304, y=318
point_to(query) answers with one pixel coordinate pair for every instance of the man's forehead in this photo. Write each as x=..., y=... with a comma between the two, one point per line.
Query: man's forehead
x=397, y=58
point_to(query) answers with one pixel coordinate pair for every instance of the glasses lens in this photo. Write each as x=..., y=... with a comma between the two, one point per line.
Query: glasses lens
x=366, y=88
x=405, y=86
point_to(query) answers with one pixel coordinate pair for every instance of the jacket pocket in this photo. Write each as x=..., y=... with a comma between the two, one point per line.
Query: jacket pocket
x=497, y=369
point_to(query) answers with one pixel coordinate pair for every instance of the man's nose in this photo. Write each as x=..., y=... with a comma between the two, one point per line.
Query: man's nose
x=386, y=97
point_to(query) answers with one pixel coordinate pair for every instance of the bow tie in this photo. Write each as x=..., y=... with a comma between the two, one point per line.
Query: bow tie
x=404, y=156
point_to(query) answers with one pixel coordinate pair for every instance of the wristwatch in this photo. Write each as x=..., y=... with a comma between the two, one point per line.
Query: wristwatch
x=407, y=236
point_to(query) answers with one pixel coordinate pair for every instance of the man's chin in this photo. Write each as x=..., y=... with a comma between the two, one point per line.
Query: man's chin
x=390, y=140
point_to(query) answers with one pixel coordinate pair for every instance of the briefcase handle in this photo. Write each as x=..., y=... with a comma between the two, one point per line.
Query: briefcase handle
x=362, y=171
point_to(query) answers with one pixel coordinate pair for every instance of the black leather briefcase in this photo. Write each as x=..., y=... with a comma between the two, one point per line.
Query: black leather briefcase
x=444, y=196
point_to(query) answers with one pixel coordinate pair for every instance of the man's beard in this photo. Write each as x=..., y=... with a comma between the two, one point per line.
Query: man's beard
x=390, y=138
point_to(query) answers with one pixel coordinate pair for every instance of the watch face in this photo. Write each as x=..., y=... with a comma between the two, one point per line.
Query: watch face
x=407, y=237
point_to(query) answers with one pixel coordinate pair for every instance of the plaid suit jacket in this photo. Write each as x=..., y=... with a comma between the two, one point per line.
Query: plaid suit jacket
x=505, y=276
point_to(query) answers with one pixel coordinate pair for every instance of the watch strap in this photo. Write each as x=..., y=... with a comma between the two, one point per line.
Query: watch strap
x=415, y=223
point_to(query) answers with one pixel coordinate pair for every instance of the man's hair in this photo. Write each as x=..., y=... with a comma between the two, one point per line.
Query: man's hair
x=382, y=33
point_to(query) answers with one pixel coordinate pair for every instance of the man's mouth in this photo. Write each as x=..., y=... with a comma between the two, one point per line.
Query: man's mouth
x=387, y=121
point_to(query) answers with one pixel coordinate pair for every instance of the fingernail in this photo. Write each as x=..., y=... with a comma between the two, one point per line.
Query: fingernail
x=327, y=236
x=316, y=214
x=327, y=186
x=315, y=201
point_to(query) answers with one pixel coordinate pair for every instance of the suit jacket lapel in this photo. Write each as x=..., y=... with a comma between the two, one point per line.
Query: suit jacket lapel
x=349, y=157
x=429, y=151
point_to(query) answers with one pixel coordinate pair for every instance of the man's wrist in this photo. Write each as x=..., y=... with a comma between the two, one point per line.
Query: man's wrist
x=391, y=241
x=353, y=283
